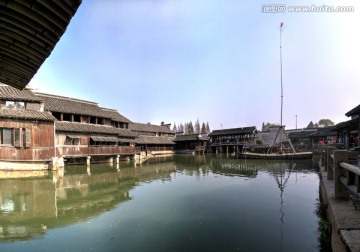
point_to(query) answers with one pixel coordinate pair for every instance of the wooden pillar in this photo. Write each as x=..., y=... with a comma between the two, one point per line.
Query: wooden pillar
x=88, y=160
x=341, y=191
x=117, y=159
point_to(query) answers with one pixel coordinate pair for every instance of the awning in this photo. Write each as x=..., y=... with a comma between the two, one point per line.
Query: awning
x=73, y=136
x=126, y=140
x=104, y=139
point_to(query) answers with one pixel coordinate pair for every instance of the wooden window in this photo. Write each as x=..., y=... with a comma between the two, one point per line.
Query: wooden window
x=7, y=137
x=17, y=137
x=27, y=137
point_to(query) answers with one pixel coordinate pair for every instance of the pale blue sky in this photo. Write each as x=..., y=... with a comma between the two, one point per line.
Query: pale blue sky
x=215, y=60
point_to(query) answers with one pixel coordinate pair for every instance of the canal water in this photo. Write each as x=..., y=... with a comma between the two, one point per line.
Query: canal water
x=179, y=203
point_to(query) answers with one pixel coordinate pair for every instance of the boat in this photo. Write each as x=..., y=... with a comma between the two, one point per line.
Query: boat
x=277, y=156
x=277, y=150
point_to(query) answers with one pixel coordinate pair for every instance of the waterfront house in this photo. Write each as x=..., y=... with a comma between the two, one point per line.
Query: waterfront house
x=85, y=130
x=191, y=143
x=232, y=140
x=26, y=130
x=349, y=131
x=153, y=139
x=300, y=138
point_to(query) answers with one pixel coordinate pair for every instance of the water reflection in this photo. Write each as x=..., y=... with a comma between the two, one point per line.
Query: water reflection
x=28, y=207
x=228, y=201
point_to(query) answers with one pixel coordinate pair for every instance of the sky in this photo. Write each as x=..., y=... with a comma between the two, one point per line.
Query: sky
x=218, y=61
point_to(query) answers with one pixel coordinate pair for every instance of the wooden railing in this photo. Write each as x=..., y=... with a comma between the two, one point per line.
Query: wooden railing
x=343, y=168
x=69, y=151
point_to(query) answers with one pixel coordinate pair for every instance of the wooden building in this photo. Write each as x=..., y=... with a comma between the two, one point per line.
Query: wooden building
x=191, y=143
x=232, y=140
x=85, y=130
x=300, y=138
x=26, y=130
x=153, y=139
x=348, y=132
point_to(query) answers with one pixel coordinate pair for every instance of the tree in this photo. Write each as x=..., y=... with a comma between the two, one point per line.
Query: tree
x=203, y=128
x=190, y=129
x=208, y=131
x=181, y=128
x=326, y=123
x=186, y=128
x=197, y=127
x=174, y=128
x=268, y=125
x=311, y=125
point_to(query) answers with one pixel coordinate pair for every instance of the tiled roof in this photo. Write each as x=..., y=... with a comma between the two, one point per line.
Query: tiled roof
x=301, y=134
x=153, y=140
x=63, y=104
x=29, y=31
x=84, y=128
x=194, y=137
x=244, y=130
x=321, y=132
x=88, y=128
x=353, y=123
x=126, y=133
x=115, y=115
x=354, y=111
x=14, y=94
x=26, y=114
x=145, y=127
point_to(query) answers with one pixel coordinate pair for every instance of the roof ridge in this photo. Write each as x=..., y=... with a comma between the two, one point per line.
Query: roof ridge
x=66, y=98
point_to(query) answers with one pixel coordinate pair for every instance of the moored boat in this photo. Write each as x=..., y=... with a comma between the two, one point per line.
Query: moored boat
x=284, y=155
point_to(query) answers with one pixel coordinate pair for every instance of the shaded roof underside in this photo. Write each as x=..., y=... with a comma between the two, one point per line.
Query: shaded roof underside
x=29, y=31
x=354, y=111
x=245, y=130
x=195, y=137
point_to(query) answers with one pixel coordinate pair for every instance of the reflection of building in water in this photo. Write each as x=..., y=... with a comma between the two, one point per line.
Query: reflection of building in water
x=233, y=167
x=28, y=207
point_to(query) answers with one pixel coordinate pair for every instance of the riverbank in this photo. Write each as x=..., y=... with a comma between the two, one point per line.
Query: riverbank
x=343, y=216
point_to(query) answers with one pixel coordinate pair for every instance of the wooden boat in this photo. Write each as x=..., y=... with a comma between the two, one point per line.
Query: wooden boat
x=284, y=155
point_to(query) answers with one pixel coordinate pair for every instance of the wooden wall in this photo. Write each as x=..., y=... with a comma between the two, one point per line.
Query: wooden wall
x=41, y=146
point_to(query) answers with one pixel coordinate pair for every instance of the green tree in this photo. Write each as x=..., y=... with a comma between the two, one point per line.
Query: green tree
x=268, y=125
x=197, y=127
x=325, y=122
x=208, y=131
x=181, y=128
x=190, y=129
x=203, y=128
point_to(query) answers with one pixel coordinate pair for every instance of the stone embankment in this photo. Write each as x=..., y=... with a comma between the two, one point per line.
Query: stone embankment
x=340, y=190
